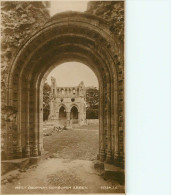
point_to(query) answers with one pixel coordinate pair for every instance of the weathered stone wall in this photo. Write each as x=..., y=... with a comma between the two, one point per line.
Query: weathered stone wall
x=113, y=13
x=19, y=21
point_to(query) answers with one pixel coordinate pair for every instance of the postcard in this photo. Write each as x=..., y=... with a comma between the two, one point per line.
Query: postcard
x=62, y=97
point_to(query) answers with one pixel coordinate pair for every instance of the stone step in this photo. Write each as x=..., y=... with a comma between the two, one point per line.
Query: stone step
x=110, y=171
x=8, y=165
x=115, y=173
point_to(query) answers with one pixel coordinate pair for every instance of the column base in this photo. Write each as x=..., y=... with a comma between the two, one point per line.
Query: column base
x=27, y=154
x=10, y=154
x=102, y=155
x=34, y=160
x=19, y=152
x=116, y=158
x=109, y=156
x=35, y=151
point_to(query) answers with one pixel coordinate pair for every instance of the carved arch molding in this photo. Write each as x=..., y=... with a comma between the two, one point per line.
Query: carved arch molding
x=69, y=36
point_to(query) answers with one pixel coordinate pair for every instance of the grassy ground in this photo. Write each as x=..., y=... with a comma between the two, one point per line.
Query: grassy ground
x=73, y=144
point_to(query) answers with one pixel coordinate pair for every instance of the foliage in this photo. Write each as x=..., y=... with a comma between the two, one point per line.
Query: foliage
x=112, y=11
x=46, y=101
x=92, y=113
x=92, y=103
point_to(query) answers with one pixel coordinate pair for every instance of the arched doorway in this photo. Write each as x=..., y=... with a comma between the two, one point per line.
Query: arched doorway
x=62, y=113
x=74, y=115
x=69, y=36
x=62, y=116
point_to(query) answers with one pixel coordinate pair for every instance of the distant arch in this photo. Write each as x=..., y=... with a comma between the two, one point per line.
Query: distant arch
x=62, y=105
x=62, y=113
x=74, y=113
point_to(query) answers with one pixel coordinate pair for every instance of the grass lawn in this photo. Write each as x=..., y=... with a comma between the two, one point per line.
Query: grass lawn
x=79, y=143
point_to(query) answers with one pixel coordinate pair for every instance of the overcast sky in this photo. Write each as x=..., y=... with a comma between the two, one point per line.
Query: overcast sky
x=61, y=6
x=72, y=73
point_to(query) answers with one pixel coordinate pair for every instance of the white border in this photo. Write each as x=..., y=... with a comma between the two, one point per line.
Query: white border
x=148, y=97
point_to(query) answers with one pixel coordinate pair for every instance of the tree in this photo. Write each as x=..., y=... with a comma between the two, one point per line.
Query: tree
x=46, y=101
x=92, y=102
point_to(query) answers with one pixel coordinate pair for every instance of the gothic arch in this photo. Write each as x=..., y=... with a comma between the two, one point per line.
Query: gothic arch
x=74, y=114
x=72, y=105
x=68, y=36
x=62, y=105
x=62, y=113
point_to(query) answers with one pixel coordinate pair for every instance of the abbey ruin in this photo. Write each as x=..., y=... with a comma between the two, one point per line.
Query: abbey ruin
x=67, y=104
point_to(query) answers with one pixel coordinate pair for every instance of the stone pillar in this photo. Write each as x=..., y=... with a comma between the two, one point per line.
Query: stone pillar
x=68, y=119
x=101, y=131
x=109, y=148
x=19, y=148
x=9, y=138
x=40, y=120
x=79, y=118
x=116, y=143
x=27, y=154
x=35, y=140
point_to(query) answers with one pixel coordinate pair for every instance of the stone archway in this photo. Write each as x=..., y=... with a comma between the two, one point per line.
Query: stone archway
x=69, y=36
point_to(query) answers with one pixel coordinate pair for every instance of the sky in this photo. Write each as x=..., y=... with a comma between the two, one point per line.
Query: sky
x=71, y=74
x=61, y=6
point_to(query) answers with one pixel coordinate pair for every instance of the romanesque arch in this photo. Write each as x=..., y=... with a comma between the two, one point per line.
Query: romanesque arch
x=69, y=36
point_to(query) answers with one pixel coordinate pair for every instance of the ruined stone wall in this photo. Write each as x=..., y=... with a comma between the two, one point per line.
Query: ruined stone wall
x=19, y=21
x=67, y=97
x=113, y=13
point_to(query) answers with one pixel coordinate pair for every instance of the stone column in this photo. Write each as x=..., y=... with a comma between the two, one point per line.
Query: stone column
x=109, y=151
x=101, y=130
x=27, y=124
x=116, y=143
x=68, y=119
x=35, y=141
x=79, y=118
x=7, y=125
x=40, y=120
x=19, y=148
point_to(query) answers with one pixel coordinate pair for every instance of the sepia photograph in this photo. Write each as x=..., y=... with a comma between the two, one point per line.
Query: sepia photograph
x=62, y=97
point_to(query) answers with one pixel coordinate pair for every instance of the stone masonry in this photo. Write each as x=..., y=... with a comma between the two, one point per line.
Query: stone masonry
x=67, y=104
x=68, y=36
